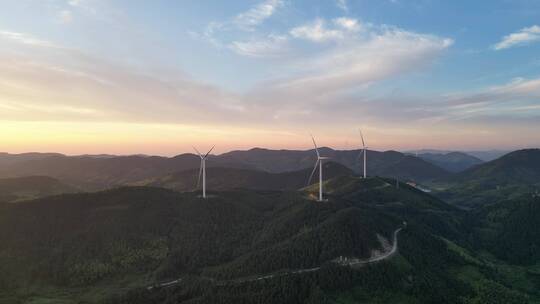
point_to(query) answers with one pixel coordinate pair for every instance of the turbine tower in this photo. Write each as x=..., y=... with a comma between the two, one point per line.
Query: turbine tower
x=319, y=163
x=364, y=151
x=202, y=170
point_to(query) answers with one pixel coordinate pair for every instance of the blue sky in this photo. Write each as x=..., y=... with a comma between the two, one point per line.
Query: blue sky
x=413, y=74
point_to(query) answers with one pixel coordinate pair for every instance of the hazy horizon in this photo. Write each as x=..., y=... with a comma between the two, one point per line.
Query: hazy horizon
x=217, y=152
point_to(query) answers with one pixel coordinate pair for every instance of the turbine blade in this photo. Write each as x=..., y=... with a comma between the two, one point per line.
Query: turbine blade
x=210, y=151
x=313, y=172
x=199, y=153
x=200, y=174
x=362, y=136
x=315, y=144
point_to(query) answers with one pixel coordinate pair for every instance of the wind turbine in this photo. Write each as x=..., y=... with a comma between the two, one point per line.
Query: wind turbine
x=202, y=170
x=364, y=151
x=319, y=163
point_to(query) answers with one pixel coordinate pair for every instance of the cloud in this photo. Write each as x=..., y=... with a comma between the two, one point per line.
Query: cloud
x=349, y=24
x=342, y=4
x=24, y=39
x=257, y=14
x=42, y=83
x=319, y=31
x=375, y=56
x=270, y=46
x=522, y=37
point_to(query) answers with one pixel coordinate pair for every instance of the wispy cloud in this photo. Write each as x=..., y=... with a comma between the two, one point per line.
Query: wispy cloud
x=522, y=37
x=257, y=14
x=320, y=31
x=342, y=4
x=362, y=60
x=25, y=39
x=270, y=46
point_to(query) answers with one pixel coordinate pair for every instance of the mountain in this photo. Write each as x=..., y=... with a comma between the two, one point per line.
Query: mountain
x=453, y=161
x=522, y=166
x=389, y=163
x=511, y=176
x=31, y=187
x=231, y=178
x=485, y=156
x=97, y=173
x=7, y=159
x=488, y=155
x=152, y=245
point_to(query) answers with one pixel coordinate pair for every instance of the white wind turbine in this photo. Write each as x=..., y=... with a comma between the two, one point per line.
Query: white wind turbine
x=319, y=163
x=202, y=170
x=364, y=151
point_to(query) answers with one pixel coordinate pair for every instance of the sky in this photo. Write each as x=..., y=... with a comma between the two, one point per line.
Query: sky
x=158, y=77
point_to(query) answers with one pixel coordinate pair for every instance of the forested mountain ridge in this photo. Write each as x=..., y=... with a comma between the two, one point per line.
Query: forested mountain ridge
x=108, y=247
x=98, y=173
x=511, y=176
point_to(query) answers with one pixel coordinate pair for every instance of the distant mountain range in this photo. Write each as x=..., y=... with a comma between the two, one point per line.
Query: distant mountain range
x=487, y=155
x=101, y=172
x=452, y=161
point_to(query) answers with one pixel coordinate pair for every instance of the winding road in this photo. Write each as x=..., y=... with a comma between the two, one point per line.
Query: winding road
x=343, y=262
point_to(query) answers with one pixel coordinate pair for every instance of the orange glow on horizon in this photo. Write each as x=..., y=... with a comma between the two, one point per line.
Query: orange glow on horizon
x=75, y=138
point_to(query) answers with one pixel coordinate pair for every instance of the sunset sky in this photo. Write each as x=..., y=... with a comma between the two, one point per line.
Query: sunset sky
x=156, y=77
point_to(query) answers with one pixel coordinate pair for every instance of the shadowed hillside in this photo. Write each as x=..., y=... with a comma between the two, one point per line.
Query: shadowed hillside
x=31, y=187
x=389, y=163
x=230, y=178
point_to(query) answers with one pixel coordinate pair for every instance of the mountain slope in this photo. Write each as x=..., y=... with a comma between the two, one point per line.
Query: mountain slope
x=389, y=163
x=509, y=229
x=109, y=247
x=80, y=240
x=97, y=173
x=522, y=166
x=31, y=187
x=453, y=161
x=510, y=176
x=231, y=178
